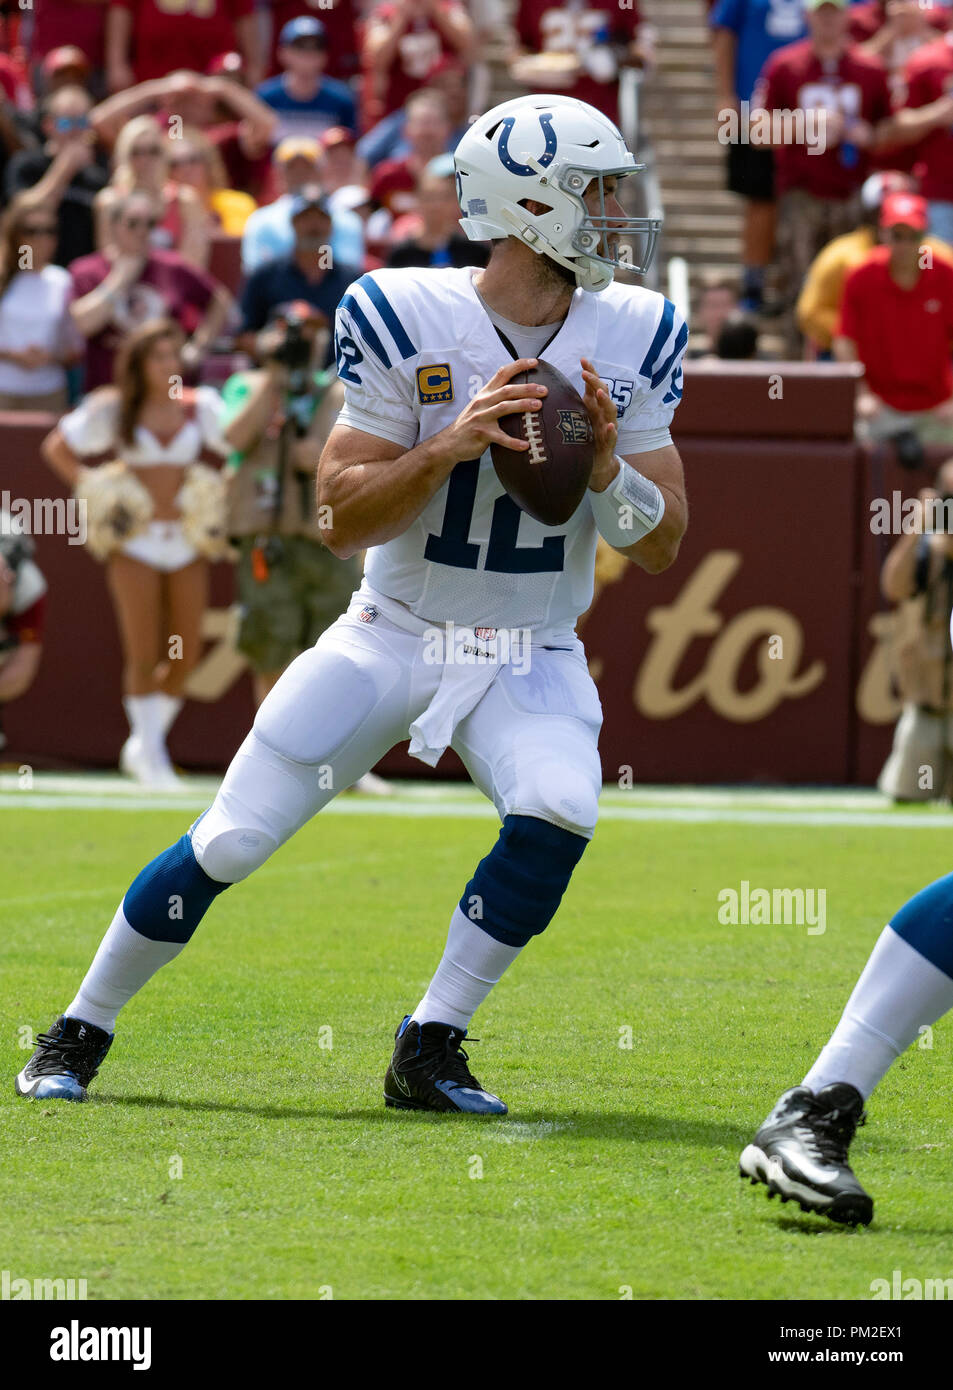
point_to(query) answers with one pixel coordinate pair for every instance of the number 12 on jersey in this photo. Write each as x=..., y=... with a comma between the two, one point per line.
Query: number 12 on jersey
x=454, y=547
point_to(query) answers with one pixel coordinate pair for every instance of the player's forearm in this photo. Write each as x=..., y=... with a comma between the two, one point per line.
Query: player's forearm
x=372, y=502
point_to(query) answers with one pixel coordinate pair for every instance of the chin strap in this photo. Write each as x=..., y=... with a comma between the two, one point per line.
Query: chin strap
x=590, y=275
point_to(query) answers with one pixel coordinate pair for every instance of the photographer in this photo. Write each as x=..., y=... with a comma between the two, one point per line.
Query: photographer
x=918, y=575
x=278, y=418
x=22, y=605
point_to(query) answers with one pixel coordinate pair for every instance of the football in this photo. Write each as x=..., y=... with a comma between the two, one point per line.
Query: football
x=547, y=480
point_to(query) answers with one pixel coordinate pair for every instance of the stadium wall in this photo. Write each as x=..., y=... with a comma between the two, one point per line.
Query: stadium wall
x=761, y=655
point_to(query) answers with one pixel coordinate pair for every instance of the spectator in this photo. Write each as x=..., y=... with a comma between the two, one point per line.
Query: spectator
x=290, y=586
x=147, y=38
x=356, y=200
x=339, y=166
x=196, y=164
x=37, y=338
x=387, y=140
x=578, y=48
x=718, y=302
x=158, y=578
x=927, y=121
x=403, y=39
x=141, y=163
x=61, y=24
x=305, y=99
x=268, y=231
x=309, y=273
x=22, y=613
x=737, y=339
x=819, y=304
x=439, y=241
x=819, y=191
x=897, y=320
x=239, y=125
x=746, y=33
x=918, y=575
x=117, y=289
x=427, y=131
x=338, y=19
x=63, y=174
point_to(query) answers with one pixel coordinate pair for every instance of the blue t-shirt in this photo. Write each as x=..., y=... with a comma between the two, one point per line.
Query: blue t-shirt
x=761, y=27
x=282, y=281
x=332, y=104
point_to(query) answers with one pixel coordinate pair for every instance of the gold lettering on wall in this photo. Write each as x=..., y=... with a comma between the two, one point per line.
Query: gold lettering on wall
x=693, y=615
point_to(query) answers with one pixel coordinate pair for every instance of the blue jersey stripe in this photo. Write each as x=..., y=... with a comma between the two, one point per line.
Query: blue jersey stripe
x=367, y=332
x=680, y=345
x=662, y=336
x=381, y=303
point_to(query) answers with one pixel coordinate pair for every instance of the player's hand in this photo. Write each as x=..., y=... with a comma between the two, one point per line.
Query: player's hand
x=477, y=426
x=605, y=426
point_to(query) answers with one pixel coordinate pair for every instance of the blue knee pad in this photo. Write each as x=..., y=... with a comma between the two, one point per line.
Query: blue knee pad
x=171, y=895
x=926, y=923
x=520, y=883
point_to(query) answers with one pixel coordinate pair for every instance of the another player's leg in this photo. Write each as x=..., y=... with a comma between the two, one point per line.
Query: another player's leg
x=542, y=771
x=801, y=1150
x=333, y=714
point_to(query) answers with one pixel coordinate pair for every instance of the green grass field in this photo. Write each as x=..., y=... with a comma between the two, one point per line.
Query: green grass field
x=616, y=1168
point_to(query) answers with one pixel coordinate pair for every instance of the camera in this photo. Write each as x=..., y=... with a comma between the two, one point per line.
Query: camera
x=294, y=350
x=910, y=452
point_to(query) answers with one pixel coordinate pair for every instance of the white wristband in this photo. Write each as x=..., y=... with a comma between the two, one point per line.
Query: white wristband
x=630, y=508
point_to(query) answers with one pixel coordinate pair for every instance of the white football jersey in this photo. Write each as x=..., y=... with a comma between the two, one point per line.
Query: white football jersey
x=413, y=347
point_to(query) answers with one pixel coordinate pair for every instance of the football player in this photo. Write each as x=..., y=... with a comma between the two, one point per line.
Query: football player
x=428, y=358
x=801, y=1150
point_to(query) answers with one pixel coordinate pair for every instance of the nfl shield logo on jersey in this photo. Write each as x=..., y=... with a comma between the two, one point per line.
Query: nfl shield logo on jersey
x=368, y=613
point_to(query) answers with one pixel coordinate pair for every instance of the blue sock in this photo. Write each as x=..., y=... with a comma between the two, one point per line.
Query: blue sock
x=171, y=895
x=926, y=923
x=520, y=883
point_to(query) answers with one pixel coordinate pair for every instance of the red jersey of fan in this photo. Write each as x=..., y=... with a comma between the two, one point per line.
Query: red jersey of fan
x=60, y=22
x=794, y=79
x=904, y=337
x=582, y=29
x=928, y=76
x=337, y=16
x=420, y=46
x=167, y=36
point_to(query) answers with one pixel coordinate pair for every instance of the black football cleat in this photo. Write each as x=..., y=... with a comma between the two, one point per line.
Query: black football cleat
x=65, y=1061
x=429, y=1071
x=800, y=1152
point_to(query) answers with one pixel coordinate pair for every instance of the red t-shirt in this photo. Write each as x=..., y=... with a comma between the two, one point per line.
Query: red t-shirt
x=904, y=337
x=165, y=37
x=928, y=76
x=59, y=22
x=419, y=47
x=544, y=27
x=337, y=16
x=795, y=79
x=167, y=286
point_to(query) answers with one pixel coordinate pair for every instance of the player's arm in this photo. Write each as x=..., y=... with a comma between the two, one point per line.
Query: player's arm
x=635, y=491
x=376, y=488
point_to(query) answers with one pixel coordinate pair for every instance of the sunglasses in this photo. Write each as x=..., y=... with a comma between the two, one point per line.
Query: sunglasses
x=65, y=123
x=308, y=46
x=905, y=234
x=185, y=159
x=146, y=151
x=42, y=229
x=136, y=223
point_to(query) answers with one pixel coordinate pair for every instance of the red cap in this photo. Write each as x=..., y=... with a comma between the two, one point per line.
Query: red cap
x=904, y=210
x=67, y=56
x=226, y=65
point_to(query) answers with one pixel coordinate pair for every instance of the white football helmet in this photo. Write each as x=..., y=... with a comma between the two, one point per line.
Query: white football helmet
x=549, y=149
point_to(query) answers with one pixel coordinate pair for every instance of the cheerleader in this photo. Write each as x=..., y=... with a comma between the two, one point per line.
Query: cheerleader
x=156, y=517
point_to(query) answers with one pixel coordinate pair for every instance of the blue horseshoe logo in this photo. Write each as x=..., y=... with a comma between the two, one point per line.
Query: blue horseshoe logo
x=524, y=170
